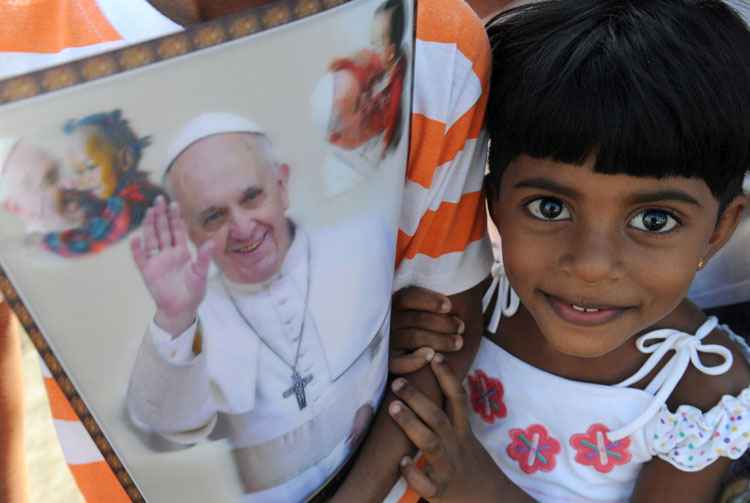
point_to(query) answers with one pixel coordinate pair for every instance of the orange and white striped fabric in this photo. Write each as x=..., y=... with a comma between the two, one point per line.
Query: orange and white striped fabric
x=95, y=479
x=441, y=239
x=442, y=243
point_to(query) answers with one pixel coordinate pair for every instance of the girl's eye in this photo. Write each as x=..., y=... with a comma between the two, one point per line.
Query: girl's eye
x=658, y=221
x=548, y=208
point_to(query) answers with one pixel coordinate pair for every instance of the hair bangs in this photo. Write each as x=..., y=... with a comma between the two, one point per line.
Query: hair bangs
x=647, y=91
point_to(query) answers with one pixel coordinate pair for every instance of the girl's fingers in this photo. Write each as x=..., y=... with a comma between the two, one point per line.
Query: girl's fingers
x=417, y=479
x=426, y=320
x=420, y=435
x=421, y=299
x=427, y=411
x=410, y=361
x=426, y=426
x=456, y=401
x=413, y=338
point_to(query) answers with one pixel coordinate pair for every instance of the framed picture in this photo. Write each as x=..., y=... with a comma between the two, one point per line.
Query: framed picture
x=198, y=233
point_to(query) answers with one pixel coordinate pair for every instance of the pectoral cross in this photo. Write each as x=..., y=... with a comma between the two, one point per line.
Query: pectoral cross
x=298, y=388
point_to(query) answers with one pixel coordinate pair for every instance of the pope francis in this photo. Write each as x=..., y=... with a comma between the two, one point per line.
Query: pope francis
x=287, y=343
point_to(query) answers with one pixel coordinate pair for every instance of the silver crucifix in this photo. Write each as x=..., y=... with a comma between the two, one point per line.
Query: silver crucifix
x=298, y=388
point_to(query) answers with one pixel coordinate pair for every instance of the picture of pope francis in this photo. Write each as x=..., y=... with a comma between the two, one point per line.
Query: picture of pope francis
x=286, y=343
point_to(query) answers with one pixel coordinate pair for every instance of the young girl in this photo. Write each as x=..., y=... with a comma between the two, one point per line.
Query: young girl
x=620, y=136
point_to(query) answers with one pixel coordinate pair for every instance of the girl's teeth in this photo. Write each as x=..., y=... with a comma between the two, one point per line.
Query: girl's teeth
x=584, y=309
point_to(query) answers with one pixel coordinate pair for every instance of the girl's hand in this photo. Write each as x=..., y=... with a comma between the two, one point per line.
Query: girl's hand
x=421, y=324
x=457, y=467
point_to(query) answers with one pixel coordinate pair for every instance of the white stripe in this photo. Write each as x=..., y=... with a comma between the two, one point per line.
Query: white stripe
x=450, y=273
x=449, y=96
x=451, y=180
x=77, y=446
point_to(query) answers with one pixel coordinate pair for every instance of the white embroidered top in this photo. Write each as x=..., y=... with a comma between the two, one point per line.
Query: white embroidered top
x=564, y=440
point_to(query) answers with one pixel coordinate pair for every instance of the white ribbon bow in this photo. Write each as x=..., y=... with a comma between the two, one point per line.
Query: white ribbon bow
x=687, y=348
x=507, y=300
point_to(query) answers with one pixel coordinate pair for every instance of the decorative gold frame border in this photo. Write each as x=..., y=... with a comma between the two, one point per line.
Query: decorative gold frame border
x=192, y=39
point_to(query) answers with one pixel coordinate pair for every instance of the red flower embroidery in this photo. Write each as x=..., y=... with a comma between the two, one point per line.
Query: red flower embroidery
x=533, y=448
x=486, y=395
x=593, y=448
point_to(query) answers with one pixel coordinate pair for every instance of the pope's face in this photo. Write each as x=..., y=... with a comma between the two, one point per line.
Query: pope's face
x=232, y=193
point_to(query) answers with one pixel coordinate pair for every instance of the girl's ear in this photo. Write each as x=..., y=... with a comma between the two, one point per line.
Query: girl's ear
x=726, y=225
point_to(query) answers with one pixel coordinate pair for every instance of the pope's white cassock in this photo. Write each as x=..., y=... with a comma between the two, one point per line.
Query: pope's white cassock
x=333, y=291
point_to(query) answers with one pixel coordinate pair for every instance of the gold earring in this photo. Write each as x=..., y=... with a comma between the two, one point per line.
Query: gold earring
x=701, y=263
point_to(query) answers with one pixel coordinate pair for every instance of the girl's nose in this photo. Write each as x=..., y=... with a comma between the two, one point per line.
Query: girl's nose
x=593, y=256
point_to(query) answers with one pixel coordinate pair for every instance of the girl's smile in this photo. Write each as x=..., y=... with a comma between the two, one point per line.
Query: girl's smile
x=581, y=313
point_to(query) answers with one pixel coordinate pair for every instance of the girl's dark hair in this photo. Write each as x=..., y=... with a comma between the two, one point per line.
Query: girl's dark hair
x=651, y=88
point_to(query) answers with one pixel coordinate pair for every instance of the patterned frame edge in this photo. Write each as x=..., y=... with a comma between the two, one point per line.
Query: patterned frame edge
x=192, y=39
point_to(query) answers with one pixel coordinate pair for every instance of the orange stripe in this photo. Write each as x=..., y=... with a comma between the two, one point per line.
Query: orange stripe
x=49, y=26
x=58, y=404
x=451, y=22
x=467, y=127
x=449, y=229
x=433, y=147
x=98, y=484
x=424, y=154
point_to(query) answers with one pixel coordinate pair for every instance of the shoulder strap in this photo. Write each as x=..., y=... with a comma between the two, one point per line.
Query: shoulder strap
x=687, y=349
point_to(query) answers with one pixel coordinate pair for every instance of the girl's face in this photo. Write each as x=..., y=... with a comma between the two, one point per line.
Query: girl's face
x=599, y=258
